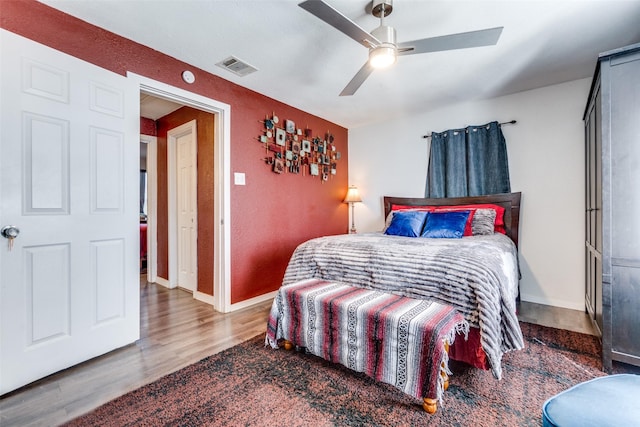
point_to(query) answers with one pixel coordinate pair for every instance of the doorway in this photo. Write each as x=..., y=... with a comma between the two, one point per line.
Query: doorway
x=221, y=182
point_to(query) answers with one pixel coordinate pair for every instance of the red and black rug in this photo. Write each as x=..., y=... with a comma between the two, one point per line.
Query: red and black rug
x=250, y=385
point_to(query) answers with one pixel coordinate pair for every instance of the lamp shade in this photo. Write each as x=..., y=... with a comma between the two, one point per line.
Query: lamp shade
x=352, y=195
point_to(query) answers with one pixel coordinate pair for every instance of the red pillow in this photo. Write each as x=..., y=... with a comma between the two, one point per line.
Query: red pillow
x=416, y=208
x=498, y=225
x=467, y=227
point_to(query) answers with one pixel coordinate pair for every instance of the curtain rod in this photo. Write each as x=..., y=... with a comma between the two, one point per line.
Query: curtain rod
x=512, y=122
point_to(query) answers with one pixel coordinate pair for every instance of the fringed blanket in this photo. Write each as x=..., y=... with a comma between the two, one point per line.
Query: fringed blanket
x=477, y=275
x=391, y=338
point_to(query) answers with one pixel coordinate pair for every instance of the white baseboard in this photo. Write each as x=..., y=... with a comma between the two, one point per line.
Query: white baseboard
x=201, y=296
x=209, y=299
x=163, y=282
x=252, y=301
x=572, y=305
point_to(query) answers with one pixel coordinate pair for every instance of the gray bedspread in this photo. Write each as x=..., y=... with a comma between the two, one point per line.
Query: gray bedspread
x=477, y=275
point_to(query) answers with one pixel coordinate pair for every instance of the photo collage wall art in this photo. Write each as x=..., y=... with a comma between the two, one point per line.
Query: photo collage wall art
x=293, y=150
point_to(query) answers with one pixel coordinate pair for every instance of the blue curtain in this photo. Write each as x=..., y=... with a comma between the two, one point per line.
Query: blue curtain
x=468, y=162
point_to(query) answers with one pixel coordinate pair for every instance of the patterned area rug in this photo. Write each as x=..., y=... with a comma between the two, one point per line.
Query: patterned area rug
x=250, y=385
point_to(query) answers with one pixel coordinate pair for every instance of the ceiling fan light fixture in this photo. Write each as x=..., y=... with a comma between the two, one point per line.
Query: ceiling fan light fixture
x=382, y=56
x=386, y=53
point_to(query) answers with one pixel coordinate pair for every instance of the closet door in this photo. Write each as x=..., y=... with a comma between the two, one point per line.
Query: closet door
x=625, y=206
x=596, y=213
x=593, y=214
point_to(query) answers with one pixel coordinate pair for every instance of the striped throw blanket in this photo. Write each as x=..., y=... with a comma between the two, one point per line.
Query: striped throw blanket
x=477, y=275
x=391, y=338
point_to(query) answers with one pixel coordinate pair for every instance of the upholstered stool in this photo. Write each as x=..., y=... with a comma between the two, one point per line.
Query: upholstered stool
x=606, y=401
x=395, y=339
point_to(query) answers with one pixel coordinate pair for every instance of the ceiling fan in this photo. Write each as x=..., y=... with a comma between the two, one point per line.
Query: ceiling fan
x=381, y=42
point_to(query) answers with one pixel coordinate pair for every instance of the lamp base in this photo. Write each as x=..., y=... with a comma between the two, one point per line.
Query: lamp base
x=353, y=219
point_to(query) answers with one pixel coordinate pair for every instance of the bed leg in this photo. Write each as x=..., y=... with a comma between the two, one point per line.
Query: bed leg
x=287, y=345
x=445, y=377
x=430, y=405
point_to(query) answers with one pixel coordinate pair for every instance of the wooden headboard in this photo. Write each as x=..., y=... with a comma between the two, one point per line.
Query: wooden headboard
x=510, y=202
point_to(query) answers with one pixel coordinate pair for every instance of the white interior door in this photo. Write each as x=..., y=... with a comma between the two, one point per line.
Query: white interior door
x=69, y=287
x=183, y=138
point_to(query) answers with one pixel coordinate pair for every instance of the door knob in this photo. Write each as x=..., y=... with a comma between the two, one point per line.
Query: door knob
x=10, y=232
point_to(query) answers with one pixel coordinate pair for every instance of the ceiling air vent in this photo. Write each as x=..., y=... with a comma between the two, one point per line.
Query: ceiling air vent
x=236, y=66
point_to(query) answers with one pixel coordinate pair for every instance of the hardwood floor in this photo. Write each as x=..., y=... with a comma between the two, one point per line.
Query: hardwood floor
x=176, y=330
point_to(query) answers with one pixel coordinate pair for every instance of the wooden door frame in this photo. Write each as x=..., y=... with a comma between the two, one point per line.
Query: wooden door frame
x=221, y=299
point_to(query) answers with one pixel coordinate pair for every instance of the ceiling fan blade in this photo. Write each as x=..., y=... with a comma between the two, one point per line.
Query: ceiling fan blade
x=357, y=80
x=337, y=20
x=478, y=38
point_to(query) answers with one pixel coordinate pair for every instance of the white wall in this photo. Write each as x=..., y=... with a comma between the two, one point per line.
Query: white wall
x=546, y=163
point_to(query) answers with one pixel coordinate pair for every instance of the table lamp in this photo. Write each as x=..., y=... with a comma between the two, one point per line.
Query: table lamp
x=352, y=197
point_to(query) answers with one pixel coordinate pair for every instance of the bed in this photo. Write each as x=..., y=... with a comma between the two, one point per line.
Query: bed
x=478, y=275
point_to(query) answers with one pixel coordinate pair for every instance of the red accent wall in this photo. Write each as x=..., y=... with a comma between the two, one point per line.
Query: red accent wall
x=273, y=213
x=147, y=126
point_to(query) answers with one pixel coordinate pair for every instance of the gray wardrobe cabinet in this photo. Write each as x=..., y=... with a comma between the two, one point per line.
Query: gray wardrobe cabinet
x=612, y=234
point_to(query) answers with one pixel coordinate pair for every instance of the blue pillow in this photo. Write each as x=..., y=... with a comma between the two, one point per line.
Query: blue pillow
x=448, y=225
x=406, y=223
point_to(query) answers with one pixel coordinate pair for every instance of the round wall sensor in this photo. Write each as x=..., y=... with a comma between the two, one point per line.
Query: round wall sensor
x=188, y=77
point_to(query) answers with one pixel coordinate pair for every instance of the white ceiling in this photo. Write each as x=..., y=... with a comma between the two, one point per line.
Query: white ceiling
x=154, y=108
x=305, y=63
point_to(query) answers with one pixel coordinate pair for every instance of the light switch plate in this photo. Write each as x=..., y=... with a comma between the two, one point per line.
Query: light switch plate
x=238, y=178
